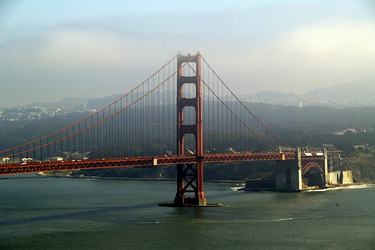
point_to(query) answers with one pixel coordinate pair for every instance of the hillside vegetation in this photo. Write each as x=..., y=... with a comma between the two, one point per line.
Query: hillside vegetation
x=307, y=126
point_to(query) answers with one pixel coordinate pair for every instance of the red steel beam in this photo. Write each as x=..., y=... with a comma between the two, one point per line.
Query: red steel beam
x=144, y=161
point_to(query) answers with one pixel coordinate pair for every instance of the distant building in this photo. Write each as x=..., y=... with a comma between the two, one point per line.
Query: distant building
x=361, y=147
x=350, y=130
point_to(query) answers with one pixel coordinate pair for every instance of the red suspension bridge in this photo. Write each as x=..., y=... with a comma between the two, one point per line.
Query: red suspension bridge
x=182, y=115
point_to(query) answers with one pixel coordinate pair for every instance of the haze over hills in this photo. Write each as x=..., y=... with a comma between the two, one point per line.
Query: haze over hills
x=354, y=94
x=359, y=93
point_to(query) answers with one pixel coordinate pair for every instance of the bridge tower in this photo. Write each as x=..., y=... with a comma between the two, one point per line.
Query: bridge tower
x=190, y=176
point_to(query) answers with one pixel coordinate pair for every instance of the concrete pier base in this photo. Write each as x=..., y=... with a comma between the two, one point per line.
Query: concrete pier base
x=281, y=175
x=289, y=174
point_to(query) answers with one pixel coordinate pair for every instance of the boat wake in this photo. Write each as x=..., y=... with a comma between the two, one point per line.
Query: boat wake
x=238, y=188
x=282, y=219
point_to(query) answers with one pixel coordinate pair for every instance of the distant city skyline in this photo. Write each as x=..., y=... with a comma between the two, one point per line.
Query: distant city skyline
x=55, y=49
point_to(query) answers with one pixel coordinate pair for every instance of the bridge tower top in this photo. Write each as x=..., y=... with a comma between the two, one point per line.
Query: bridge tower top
x=196, y=102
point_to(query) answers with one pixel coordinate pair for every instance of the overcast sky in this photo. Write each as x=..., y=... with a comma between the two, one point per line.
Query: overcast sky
x=54, y=49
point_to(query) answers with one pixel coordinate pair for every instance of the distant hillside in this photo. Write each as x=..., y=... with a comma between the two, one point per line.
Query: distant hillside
x=358, y=93
x=354, y=94
x=67, y=103
x=307, y=126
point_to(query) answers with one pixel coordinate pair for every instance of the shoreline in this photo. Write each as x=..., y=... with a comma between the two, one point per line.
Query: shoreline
x=343, y=187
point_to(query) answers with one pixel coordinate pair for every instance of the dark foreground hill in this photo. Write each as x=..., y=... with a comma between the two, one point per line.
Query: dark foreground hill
x=311, y=126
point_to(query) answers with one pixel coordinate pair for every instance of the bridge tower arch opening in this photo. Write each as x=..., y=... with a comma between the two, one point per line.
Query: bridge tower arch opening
x=190, y=191
x=313, y=175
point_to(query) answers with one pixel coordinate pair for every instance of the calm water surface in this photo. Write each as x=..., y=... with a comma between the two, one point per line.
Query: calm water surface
x=61, y=213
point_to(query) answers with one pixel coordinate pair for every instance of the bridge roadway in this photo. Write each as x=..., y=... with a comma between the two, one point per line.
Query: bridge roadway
x=142, y=161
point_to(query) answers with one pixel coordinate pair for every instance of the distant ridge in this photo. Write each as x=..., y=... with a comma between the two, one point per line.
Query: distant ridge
x=354, y=94
x=359, y=93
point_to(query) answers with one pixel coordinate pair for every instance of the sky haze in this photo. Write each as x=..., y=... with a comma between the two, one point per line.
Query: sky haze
x=54, y=49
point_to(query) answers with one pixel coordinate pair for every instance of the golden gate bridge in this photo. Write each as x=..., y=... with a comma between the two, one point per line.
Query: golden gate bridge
x=182, y=115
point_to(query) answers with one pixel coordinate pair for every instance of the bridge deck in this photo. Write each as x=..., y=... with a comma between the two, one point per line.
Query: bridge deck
x=142, y=161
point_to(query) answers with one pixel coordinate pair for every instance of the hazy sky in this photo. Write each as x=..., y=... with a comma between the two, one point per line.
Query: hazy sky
x=54, y=49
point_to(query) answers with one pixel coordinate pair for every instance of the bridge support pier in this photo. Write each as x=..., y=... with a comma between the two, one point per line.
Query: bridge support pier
x=282, y=175
x=296, y=172
x=190, y=180
x=326, y=170
x=289, y=173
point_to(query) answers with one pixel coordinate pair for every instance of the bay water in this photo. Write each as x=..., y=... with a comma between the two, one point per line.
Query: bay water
x=67, y=213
